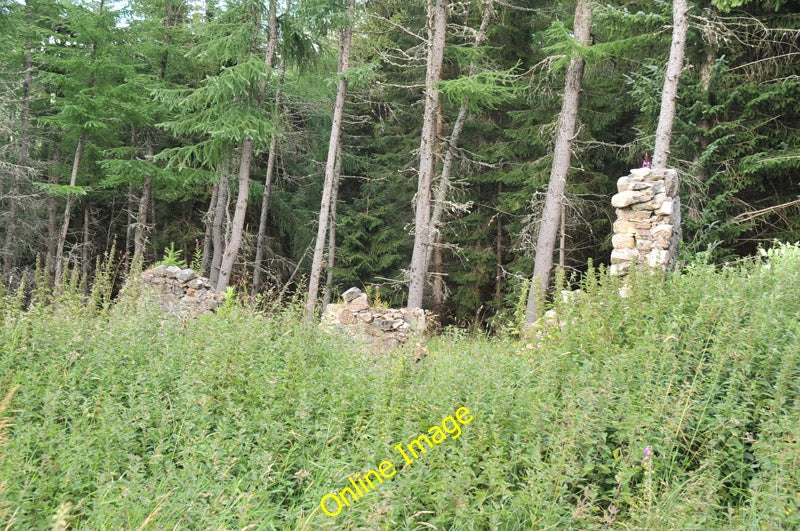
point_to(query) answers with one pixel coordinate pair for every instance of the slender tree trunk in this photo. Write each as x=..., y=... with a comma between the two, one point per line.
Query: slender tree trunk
x=443, y=186
x=265, y=200
x=62, y=235
x=427, y=153
x=326, y=298
x=701, y=171
x=130, y=221
x=438, y=280
x=130, y=225
x=237, y=228
x=52, y=215
x=669, y=96
x=330, y=166
x=12, y=238
x=87, y=242
x=208, y=220
x=145, y=203
x=218, y=235
x=76, y=161
x=567, y=122
x=498, y=272
x=168, y=22
x=140, y=232
x=562, y=244
x=23, y=156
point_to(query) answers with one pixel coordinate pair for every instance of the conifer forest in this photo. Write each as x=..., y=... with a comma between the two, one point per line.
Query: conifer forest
x=301, y=147
x=186, y=184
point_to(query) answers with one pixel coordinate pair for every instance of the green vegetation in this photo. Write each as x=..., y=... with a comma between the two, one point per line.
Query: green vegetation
x=123, y=124
x=122, y=419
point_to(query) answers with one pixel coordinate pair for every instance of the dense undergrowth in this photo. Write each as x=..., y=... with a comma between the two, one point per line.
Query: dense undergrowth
x=245, y=420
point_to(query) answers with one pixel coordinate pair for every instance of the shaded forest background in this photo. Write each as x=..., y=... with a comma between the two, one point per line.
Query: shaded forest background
x=123, y=129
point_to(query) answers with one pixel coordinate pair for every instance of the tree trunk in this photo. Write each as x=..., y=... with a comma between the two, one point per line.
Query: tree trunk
x=208, y=220
x=262, y=221
x=701, y=171
x=443, y=186
x=168, y=22
x=62, y=235
x=330, y=165
x=140, y=231
x=326, y=298
x=131, y=201
x=237, y=228
x=265, y=200
x=562, y=244
x=427, y=154
x=498, y=272
x=218, y=235
x=551, y=214
x=52, y=215
x=23, y=156
x=87, y=242
x=438, y=280
x=669, y=96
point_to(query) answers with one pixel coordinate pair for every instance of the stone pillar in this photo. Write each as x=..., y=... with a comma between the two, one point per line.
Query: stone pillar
x=648, y=226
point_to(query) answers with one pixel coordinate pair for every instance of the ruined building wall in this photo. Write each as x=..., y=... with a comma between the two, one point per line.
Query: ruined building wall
x=648, y=226
x=384, y=328
x=179, y=292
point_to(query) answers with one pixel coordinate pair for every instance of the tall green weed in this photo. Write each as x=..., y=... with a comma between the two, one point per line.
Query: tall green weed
x=246, y=418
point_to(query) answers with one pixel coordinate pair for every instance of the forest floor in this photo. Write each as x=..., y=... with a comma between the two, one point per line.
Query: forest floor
x=676, y=407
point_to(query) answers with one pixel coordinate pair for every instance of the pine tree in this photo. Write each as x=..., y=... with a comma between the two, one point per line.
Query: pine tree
x=427, y=153
x=331, y=177
x=551, y=215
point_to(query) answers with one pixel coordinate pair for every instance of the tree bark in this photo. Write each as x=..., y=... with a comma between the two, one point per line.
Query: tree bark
x=262, y=221
x=168, y=22
x=438, y=280
x=265, y=199
x=701, y=171
x=326, y=297
x=52, y=215
x=330, y=165
x=87, y=242
x=208, y=220
x=237, y=228
x=62, y=235
x=437, y=34
x=498, y=272
x=218, y=235
x=23, y=156
x=562, y=244
x=669, y=95
x=443, y=186
x=140, y=230
x=567, y=122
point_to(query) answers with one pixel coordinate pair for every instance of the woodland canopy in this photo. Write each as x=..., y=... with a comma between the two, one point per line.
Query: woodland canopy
x=125, y=128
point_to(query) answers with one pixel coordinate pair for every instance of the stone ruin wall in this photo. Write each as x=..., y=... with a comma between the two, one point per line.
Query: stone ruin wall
x=179, y=292
x=383, y=328
x=648, y=226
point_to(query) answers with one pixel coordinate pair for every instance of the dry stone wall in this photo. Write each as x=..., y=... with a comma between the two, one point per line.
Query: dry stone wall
x=179, y=292
x=648, y=226
x=382, y=327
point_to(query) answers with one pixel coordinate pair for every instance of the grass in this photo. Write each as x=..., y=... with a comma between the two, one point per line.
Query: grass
x=115, y=418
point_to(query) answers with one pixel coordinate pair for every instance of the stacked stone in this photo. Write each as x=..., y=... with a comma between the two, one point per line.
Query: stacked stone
x=181, y=292
x=647, y=229
x=382, y=327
